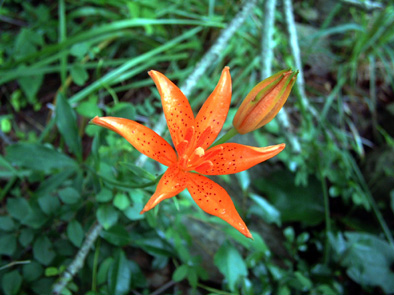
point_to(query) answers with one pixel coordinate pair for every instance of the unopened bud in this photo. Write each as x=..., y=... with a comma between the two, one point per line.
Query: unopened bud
x=264, y=102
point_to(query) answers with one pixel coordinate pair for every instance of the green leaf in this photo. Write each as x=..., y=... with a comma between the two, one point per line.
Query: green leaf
x=133, y=212
x=105, y=195
x=6, y=223
x=295, y=203
x=49, y=204
x=38, y=157
x=75, y=233
x=180, y=273
x=11, y=282
x=304, y=281
x=79, y=74
x=18, y=208
x=26, y=236
x=102, y=273
x=54, y=181
x=119, y=275
x=66, y=121
x=79, y=49
x=107, y=216
x=117, y=235
x=230, y=264
x=121, y=201
x=90, y=108
x=42, y=250
x=51, y=271
x=69, y=195
x=32, y=271
x=35, y=219
x=7, y=244
x=368, y=260
x=265, y=210
x=30, y=86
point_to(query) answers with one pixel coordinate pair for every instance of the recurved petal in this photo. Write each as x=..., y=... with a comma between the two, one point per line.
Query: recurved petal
x=172, y=183
x=213, y=199
x=234, y=158
x=145, y=140
x=176, y=107
x=214, y=111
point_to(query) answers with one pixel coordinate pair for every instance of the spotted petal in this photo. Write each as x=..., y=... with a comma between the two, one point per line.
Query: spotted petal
x=172, y=183
x=234, y=158
x=176, y=107
x=213, y=199
x=145, y=140
x=214, y=111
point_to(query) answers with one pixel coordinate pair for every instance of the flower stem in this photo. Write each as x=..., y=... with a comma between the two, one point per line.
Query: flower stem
x=231, y=133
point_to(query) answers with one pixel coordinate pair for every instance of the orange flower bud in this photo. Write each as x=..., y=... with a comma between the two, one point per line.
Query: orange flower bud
x=265, y=100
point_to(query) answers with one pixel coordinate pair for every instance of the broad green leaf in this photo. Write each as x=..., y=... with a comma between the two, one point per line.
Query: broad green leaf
x=6, y=223
x=75, y=233
x=38, y=157
x=32, y=271
x=295, y=203
x=133, y=212
x=42, y=250
x=121, y=201
x=368, y=260
x=43, y=286
x=49, y=204
x=7, y=244
x=230, y=264
x=69, y=195
x=11, y=282
x=117, y=235
x=66, y=121
x=79, y=74
x=79, y=49
x=243, y=180
x=105, y=195
x=119, y=275
x=35, y=218
x=107, y=216
x=54, y=181
x=306, y=283
x=90, y=108
x=180, y=273
x=51, y=271
x=30, y=86
x=102, y=273
x=26, y=236
x=18, y=208
x=265, y=210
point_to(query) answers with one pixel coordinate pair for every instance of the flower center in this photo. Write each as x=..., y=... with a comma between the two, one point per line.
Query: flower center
x=192, y=155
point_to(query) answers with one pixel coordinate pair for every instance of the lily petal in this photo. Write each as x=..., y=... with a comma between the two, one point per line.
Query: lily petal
x=176, y=107
x=145, y=140
x=213, y=199
x=172, y=183
x=234, y=158
x=214, y=111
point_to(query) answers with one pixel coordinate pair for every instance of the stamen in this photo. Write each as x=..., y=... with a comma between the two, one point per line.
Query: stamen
x=213, y=152
x=189, y=134
x=204, y=136
x=181, y=147
x=196, y=156
x=205, y=166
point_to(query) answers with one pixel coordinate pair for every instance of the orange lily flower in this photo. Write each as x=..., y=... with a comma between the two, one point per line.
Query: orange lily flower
x=192, y=137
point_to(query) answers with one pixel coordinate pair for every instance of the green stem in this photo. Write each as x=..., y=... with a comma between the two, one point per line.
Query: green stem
x=231, y=133
x=327, y=218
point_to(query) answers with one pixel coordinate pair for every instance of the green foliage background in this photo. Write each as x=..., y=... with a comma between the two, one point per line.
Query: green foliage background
x=321, y=212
